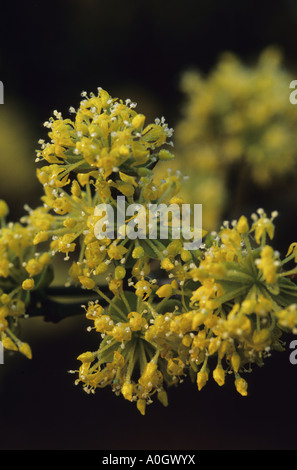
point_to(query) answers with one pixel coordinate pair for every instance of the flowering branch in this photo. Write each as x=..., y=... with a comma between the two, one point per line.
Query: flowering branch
x=162, y=312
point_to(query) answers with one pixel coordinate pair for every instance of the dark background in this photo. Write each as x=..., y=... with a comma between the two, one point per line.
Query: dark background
x=49, y=53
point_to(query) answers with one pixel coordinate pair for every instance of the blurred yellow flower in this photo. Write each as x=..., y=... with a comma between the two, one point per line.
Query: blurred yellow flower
x=237, y=125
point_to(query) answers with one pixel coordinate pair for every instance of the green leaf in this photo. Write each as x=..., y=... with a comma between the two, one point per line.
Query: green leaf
x=286, y=283
x=149, y=251
x=118, y=303
x=170, y=305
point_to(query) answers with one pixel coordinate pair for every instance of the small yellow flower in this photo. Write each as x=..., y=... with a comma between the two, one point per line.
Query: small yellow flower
x=143, y=289
x=87, y=282
x=127, y=391
x=136, y=321
x=121, y=332
x=263, y=225
x=25, y=349
x=175, y=366
x=34, y=267
x=115, y=286
x=287, y=318
x=116, y=251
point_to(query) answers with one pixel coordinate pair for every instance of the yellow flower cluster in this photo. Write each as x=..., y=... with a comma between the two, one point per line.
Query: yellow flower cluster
x=162, y=313
x=107, y=151
x=107, y=135
x=22, y=270
x=219, y=310
x=237, y=125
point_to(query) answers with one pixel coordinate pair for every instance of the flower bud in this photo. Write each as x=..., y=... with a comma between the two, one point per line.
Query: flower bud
x=165, y=155
x=138, y=121
x=120, y=272
x=28, y=284
x=9, y=344
x=25, y=349
x=241, y=386
x=164, y=291
x=86, y=357
x=242, y=225
x=141, y=404
x=163, y=397
x=219, y=375
x=202, y=378
x=138, y=252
